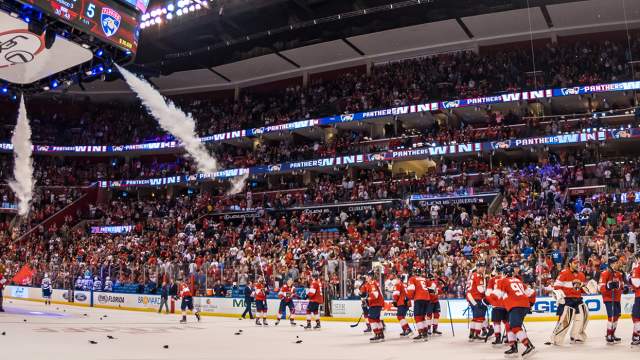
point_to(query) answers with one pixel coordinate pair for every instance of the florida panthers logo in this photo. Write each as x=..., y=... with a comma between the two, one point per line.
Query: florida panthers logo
x=110, y=21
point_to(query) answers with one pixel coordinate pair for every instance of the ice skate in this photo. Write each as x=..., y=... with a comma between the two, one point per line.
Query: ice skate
x=528, y=351
x=512, y=352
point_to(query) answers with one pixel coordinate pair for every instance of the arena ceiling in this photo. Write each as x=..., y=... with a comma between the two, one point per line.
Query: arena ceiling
x=547, y=20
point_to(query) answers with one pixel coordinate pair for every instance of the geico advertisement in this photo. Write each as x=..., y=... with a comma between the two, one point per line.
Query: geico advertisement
x=543, y=307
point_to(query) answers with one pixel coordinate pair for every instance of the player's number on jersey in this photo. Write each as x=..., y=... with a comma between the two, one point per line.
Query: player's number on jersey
x=424, y=285
x=518, y=289
x=91, y=10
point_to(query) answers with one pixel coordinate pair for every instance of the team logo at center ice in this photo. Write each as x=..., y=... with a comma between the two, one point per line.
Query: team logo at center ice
x=110, y=21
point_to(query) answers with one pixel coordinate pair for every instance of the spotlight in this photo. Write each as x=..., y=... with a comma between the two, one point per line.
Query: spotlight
x=169, y=16
x=164, y=10
x=185, y=10
x=142, y=25
x=99, y=53
x=27, y=20
x=5, y=90
x=54, y=84
x=100, y=68
x=170, y=7
x=89, y=72
x=198, y=7
x=109, y=70
x=179, y=12
x=46, y=88
x=192, y=8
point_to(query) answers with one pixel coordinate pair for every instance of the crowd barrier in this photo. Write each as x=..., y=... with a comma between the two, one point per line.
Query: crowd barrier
x=341, y=310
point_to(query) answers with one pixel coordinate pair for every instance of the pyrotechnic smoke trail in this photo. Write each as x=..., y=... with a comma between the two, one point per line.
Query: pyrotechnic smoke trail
x=237, y=184
x=23, y=183
x=172, y=119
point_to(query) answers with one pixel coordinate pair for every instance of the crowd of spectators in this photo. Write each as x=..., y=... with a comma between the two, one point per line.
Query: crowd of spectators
x=539, y=223
x=447, y=76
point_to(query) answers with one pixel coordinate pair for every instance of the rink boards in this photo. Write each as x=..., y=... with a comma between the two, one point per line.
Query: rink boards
x=345, y=310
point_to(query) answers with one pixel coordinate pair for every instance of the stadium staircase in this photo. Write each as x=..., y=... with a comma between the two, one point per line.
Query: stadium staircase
x=81, y=204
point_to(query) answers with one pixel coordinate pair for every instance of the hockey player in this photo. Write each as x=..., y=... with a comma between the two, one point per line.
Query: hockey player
x=3, y=281
x=498, y=311
x=46, y=289
x=418, y=291
x=79, y=283
x=87, y=283
x=260, y=294
x=434, y=306
x=362, y=290
x=515, y=296
x=97, y=284
x=475, y=294
x=286, y=295
x=568, y=290
x=375, y=299
x=315, y=296
x=610, y=285
x=187, y=302
x=402, y=303
x=108, y=284
x=635, y=312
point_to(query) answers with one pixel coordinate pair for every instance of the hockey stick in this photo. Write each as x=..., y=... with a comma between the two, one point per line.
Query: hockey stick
x=358, y=323
x=450, y=318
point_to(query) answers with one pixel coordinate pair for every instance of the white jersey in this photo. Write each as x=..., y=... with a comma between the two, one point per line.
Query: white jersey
x=46, y=284
x=108, y=285
x=97, y=285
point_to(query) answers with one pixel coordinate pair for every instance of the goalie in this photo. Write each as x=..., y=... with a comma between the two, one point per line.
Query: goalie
x=572, y=311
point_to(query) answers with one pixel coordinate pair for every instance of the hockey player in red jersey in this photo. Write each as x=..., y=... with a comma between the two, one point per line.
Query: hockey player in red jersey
x=286, y=295
x=260, y=294
x=516, y=298
x=498, y=311
x=635, y=311
x=375, y=300
x=187, y=302
x=418, y=290
x=610, y=285
x=402, y=303
x=572, y=312
x=435, y=305
x=315, y=296
x=362, y=290
x=476, y=288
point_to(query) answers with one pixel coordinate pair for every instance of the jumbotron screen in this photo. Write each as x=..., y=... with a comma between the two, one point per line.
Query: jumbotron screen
x=106, y=19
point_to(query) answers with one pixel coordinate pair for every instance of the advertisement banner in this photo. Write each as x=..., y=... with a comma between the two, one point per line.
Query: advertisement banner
x=428, y=200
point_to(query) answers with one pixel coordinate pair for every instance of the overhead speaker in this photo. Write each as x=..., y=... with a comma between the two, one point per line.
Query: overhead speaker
x=49, y=38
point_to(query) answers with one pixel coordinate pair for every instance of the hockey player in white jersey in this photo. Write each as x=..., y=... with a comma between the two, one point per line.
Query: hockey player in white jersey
x=108, y=284
x=46, y=289
x=97, y=284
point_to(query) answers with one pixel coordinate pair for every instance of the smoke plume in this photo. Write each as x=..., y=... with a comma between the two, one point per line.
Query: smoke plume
x=172, y=120
x=23, y=182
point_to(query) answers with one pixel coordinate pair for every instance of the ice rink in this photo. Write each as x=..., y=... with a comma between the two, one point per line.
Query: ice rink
x=59, y=332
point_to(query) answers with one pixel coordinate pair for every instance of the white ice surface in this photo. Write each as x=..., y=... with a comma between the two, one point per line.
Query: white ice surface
x=142, y=336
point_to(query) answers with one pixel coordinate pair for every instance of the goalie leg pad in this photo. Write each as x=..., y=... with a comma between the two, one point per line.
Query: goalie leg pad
x=563, y=324
x=578, y=330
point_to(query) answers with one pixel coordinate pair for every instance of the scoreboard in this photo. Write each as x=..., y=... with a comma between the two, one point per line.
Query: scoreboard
x=105, y=19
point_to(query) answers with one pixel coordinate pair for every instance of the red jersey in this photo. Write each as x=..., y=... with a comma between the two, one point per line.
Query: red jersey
x=418, y=288
x=435, y=296
x=185, y=291
x=476, y=287
x=400, y=296
x=374, y=295
x=635, y=280
x=314, y=292
x=565, y=282
x=606, y=277
x=285, y=293
x=514, y=293
x=260, y=292
x=492, y=285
